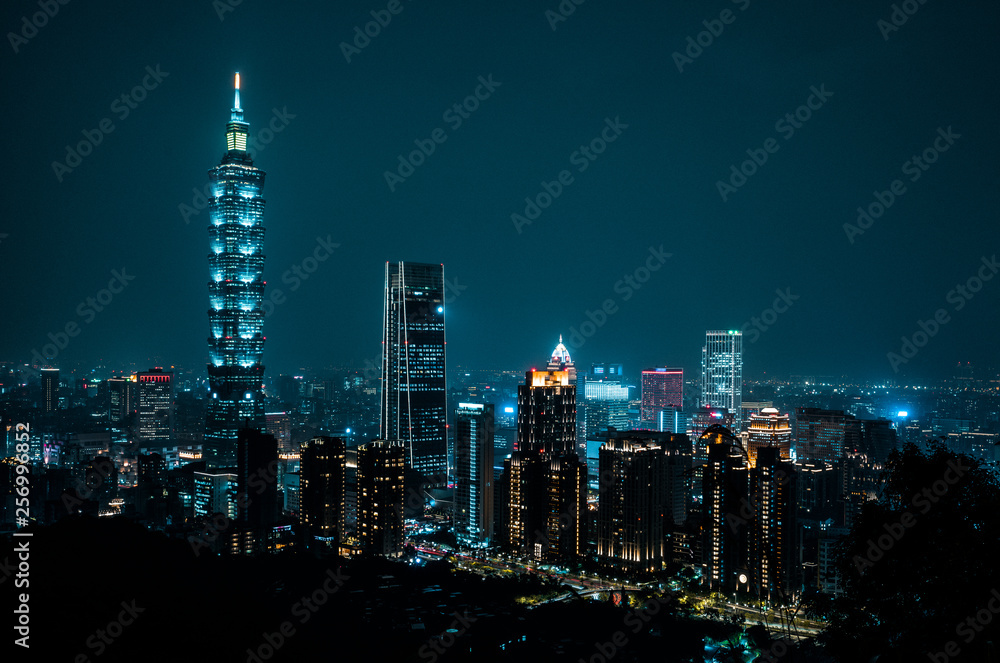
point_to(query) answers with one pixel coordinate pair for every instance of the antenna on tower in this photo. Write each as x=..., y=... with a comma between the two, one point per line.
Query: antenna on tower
x=237, y=91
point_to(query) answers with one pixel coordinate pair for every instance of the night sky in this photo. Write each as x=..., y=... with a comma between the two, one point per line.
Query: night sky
x=343, y=124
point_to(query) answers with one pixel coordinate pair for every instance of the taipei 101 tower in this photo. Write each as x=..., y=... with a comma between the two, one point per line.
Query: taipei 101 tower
x=235, y=292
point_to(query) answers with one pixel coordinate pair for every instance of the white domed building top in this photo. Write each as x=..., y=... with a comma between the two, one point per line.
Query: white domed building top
x=561, y=361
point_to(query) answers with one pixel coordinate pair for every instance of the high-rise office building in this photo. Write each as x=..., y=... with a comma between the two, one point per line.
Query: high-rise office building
x=878, y=439
x=279, y=424
x=773, y=554
x=546, y=413
x=256, y=490
x=722, y=372
x=824, y=435
x=413, y=398
x=768, y=429
x=566, y=514
x=214, y=492
x=662, y=389
x=474, y=424
x=633, y=502
x=547, y=480
x=724, y=485
x=700, y=422
x=236, y=291
x=380, y=497
x=121, y=398
x=604, y=403
x=523, y=509
x=155, y=405
x=50, y=389
x=321, y=489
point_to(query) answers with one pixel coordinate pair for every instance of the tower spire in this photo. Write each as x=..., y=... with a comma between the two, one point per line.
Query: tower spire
x=237, y=130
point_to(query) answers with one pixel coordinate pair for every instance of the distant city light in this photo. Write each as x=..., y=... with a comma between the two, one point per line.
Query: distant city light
x=902, y=413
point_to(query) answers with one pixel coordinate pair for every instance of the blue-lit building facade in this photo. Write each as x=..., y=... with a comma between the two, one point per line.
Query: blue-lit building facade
x=236, y=290
x=413, y=398
x=722, y=372
x=474, y=424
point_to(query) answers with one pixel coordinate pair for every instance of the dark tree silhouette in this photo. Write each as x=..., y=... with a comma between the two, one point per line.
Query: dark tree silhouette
x=919, y=562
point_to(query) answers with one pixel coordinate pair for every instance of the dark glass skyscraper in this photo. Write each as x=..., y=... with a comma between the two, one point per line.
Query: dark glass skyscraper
x=413, y=395
x=236, y=289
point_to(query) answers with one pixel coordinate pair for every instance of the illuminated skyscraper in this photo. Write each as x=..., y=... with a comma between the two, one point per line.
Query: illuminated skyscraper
x=380, y=497
x=633, y=501
x=825, y=435
x=413, y=365
x=155, y=405
x=725, y=488
x=772, y=553
x=768, y=429
x=50, y=389
x=546, y=413
x=604, y=403
x=322, y=507
x=523, y=514
x=474, y=424
x=121, y=398
x=236, y=289
x=662, y=388
x=566, y=519
x=722, y=371
x=561, y=361
x=279, y=424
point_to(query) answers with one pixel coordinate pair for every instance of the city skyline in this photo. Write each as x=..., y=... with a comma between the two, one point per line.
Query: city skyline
x=577, y=331
x=679, y=159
